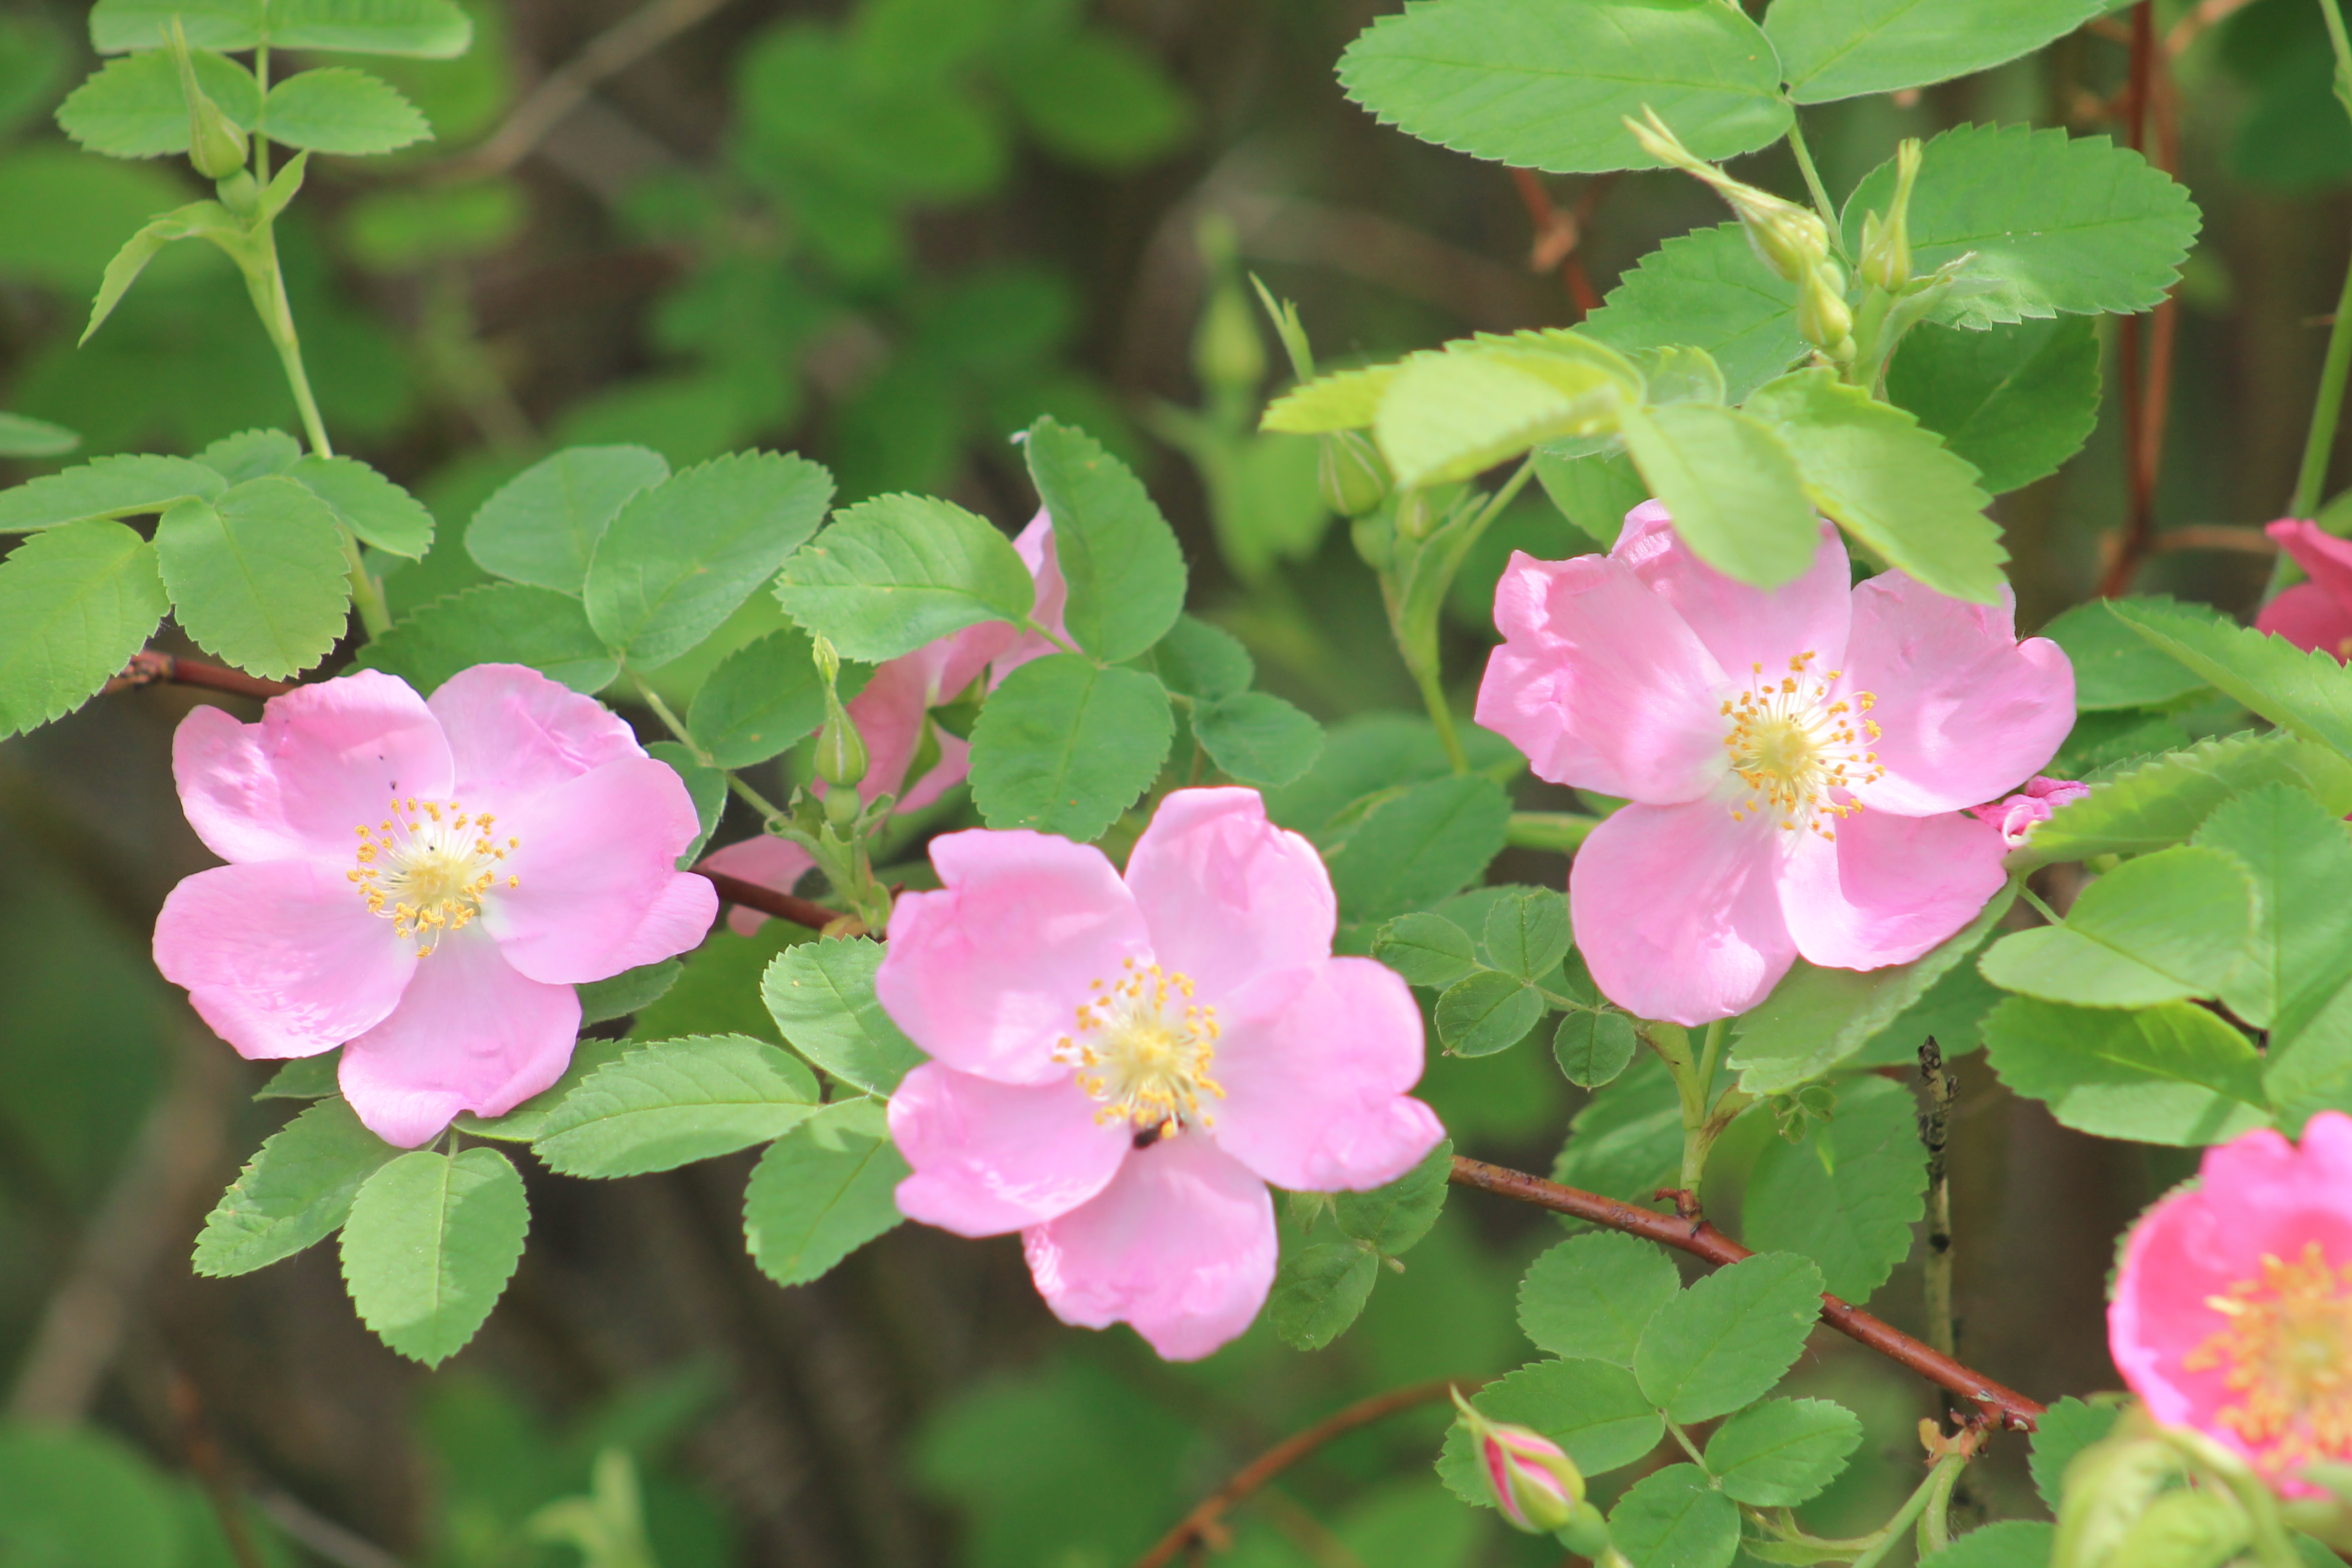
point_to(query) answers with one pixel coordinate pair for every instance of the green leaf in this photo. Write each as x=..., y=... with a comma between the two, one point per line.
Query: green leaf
x=822, y=1191
x=1201, y=661
x=1733, y=486
x=258, y=576
x=625, y=993
x=251, y=455
x=1413, y=846
x=119, y=25
x=1116, y=551
x=1489, y=1012
x=896, y=572
x=1627, y=1140
x=675, y=1101
x=2297, y=980
x=1727, y=1338
x=1256, y=739
x=526, y=1121
x=2064, y=1430
x=1817, y=1017
x=1674, y=1519
x=1593, y=1409
x=109, y=486
x=821, y=994
x=1593, y=1046
x=1593, y=490
x=1546, y=85
x=1427, y=950
x=1708, y=289
x=427, y=29
x=304, y=1077
x=75, y=603
x=1592, y=1295
x=1888, y=481
x=764, y=699
x=2163, y=928
x=2116, y=668
x=2171, y=1074
x=1832, y=49
x=1394, y=1216
x=1097, y=100
x=1848, y=1194
x=1953, y=1011
x=1452, y=416
x=1527, y=933
x=76, y=1497
x=205, y=220
x=1337, y=400
x=293, y=1192
x=2307, y=693
x=2008, y=1543
x=1782, y=1452
x=498, y=623
x=378, y=512
x=1319, y=1290
x=23, y=437
x=2017, y=401
x=542, y=525
x=133, y=107
x=683, y=555
x=430, y=1243
x=2163, y=801
x=2058, y=225
x=706, y=787
x=341, y=110
x=1063, y=747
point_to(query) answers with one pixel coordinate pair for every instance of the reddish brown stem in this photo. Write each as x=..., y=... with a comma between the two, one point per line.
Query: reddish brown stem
x=1559, y=237
x=2146, y=397
x=149, y=667
x=1203, y=1523
x=769, y=902
x=1702, y=1240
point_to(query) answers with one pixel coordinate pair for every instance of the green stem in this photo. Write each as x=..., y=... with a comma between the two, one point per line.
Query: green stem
x=1062, y=643
x=2047, y=913
x=1936, y=1511
x=1709, y=1049
x=670, y=722
x=1822, y=203
x=1683, y=1437
x=1556, y=830
x=2328, y=406
x=1911, y=1509
x=1432, y=694
x=260, y=142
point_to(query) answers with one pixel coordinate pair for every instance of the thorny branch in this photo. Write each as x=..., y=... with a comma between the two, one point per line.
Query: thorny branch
x=1560, y=235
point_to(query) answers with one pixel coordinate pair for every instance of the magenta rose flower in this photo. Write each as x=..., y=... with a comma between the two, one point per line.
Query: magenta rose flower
x=1120, y=1066
x=2315, y=616
x=889, y=714
x=1799, y=759
x=424, y=883
x=2233, y=1309
x=2030, y=806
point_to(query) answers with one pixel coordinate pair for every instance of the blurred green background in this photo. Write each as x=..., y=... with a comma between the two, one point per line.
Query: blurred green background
x=887, y=233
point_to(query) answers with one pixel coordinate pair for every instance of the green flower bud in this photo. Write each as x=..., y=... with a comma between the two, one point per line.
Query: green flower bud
x=215, y=146
x=1353, y=478
x=1887, y=242
x=1374, y=537
x=1415, y=517
x=1823, y=318
x=1586, y=1533
x=1789, y=238
x=840, y=749
x=1228, y=355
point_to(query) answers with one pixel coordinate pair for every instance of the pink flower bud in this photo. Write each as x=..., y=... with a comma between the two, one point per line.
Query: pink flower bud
x=1536, y=1486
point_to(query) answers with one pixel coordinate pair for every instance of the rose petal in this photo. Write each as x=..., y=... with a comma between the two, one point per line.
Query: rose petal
x=324, y=760
x=1744, y=627
x=1035, y=544
x=282, y=959
x=2311, y=618
x=472, y=1034
x=514, y=733
x=1966, y=711
x=1226, y=894
x=763, y=858
x=987, y=974
x=1675, y=911
x=2326, y=558
x=1887, y=888
x=1314, y=1082
x=992, y=1157
x=891, y=714
x=1180, y=1245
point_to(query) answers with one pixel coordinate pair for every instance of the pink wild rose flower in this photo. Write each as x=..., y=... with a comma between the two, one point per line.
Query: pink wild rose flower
x=2233, y=1309
x=1798, y=759
x=1119, y=1066
x=2318, y=615
x=2034, y=804
x=424, y=883
x=889, y=714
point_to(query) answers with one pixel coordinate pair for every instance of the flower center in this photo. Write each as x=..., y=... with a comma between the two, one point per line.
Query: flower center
x=2287, y=1353
x=1794, y=739
x=425, y=866
x=1142, y=1048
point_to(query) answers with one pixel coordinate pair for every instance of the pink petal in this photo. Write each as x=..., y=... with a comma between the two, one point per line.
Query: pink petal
x=2310, y=618
x=763, y=858
x=1315, y=1083
x=1966, y=711
x=1744, y=627
x=992, y=1157
x=472, y=1034
x=514, y=733
x=323, y=760
x=1888, y=888
x=889, y=714
x=1676, y=912
x=597, y=887
x=987, y=973
x=1036, y=545
x=1226, y=894
x=1601, y=684
x=2328, y=558
x=1180, y=1245
x=282, y=959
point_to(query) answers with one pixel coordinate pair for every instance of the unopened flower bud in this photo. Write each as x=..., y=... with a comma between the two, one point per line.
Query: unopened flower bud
x=1374, y=537
x=1823, y=318
x=1586, y=1533
x=1538, y=1487
x=1414, y=517
x=1789, y=238
x=1227, y=354
x=1887, y=242
x=1354, y=478
x=215, y=145
x=840, y=750
x=2107, y=1487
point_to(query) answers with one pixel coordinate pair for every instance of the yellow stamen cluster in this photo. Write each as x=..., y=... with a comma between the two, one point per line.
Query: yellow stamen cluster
x=426, y=866
x=2286, y=1353
x=1793, y=738
x=1142, y=1048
